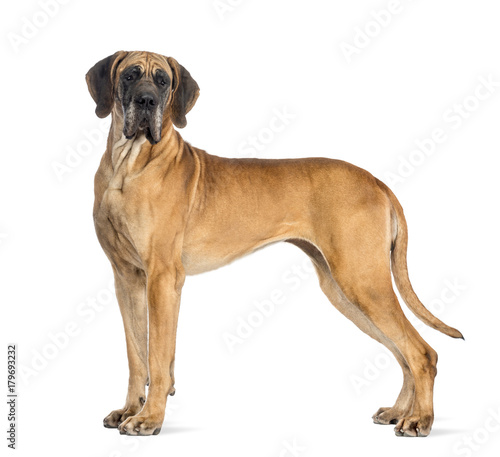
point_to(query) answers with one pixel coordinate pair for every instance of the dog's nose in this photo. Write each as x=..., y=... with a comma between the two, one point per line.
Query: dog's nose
x=146, y=100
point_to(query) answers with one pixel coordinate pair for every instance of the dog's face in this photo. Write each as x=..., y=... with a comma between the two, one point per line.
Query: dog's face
x=144, y=87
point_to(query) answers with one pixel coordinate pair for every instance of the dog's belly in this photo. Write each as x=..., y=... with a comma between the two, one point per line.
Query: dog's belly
x=210, y=243
x=195, y=264
x=210, y=256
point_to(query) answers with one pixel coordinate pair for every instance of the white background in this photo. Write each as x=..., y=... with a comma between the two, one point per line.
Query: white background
x=306, y=378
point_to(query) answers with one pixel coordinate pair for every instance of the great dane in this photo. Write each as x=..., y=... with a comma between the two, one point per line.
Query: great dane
x=165, y=209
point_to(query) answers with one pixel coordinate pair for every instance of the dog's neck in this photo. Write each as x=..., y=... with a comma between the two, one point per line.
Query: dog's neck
x=138, y=151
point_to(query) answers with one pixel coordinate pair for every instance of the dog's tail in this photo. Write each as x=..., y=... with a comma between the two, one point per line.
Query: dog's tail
x=400, y=269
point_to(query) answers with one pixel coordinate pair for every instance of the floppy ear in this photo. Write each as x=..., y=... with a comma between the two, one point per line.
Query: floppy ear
x=100, y=81
x=185, y=91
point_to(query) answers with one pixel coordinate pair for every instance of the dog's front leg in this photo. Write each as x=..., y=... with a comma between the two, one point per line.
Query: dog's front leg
x=164, y=287
x=131, y=294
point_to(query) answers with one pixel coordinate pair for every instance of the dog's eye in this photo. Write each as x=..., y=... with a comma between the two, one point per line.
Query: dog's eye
x=129, y=78
x=162, y=82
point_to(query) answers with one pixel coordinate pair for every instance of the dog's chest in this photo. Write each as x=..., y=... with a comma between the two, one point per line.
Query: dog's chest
x=118, y=218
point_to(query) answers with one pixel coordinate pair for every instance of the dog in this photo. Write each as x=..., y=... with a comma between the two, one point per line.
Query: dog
x=165, y=209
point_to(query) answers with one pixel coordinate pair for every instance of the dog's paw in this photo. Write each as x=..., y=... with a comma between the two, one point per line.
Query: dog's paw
x=115, y=418
x=141, y=425
x=414, y=426
x=386, y=416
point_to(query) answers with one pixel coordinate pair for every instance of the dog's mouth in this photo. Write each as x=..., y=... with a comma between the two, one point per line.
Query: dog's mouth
x=147, y=123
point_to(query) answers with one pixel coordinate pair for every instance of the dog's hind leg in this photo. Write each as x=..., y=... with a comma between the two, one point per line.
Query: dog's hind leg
x=367, y=286
x=404, y=403
x=365, y=296
x=380, y=306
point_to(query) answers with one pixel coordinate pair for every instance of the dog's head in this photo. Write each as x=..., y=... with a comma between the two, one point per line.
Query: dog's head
x=145, y=87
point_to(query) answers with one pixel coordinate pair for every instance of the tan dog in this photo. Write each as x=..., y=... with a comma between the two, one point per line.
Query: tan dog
x=164, y=209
